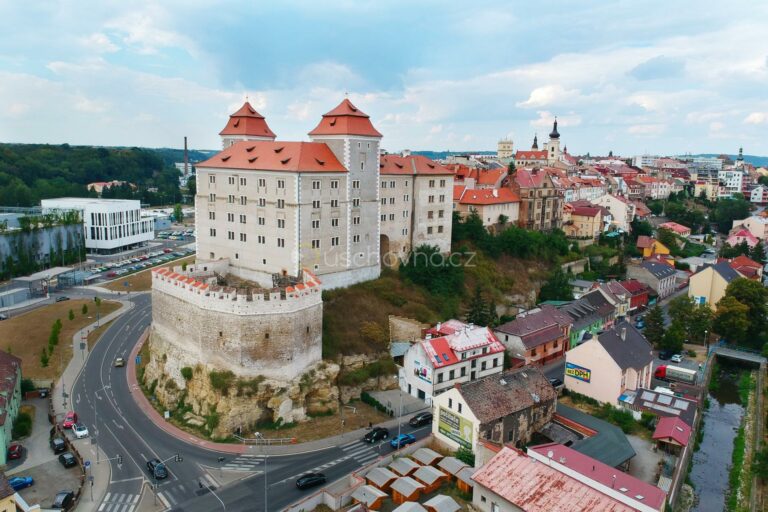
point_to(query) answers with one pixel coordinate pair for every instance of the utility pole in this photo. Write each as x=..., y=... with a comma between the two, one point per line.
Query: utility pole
x=264, y=453
x=96, y=419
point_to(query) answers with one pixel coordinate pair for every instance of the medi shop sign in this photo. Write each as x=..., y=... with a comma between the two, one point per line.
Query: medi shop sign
x=578, y=372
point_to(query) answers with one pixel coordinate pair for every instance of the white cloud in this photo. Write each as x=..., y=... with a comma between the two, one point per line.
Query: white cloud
x=547, y=95
x=98, y=42
x=756, y=118
x=90, y=106
x=647, y=129
x=546, y=120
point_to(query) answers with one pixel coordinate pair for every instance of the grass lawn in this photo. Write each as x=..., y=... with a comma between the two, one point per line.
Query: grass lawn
x=141, y=281
x=26, y=335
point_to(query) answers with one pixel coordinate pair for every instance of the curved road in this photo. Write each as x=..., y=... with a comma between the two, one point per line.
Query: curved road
x=120, y=428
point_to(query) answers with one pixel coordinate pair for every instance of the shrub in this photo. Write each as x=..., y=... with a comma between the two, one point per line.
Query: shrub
x=378, y=368
x=71, y=315
x=27, y=385
x=171, y=385
x=44, y=358
x=368, y=399
x=249, y=387
x=85, y=309
x=22, y=425
x=186, y=372
x=212, y=420
x=466, y=456
x=221, y=381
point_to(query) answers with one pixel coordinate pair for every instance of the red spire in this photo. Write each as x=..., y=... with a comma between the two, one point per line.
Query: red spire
x=246, y=121
x=345, y=119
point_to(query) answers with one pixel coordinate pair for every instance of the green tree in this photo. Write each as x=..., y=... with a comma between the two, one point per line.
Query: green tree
x=673, y=338
x=731, y=319
x=758, y=252
x=754, y=296
x=668, y=238
x=71, y=315
x=641, y=228
x=654, y=326
x=503, y=219
x=760, y=463
x=511, y=167
x=478, y=309
x=427, y=267
x=557, y=287
x=728, y=210
x=44, y=358
x=85, y=309
x=699, y=324
x=493, y=317
x=178, y=214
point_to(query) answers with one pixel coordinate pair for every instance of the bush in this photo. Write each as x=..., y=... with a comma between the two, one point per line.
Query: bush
x=221, y=381
x=22, y=426
x=375, y=369
x=466, y=456
x=71, y=315
x=186, y=372
x=44, y=358
x=27, y=385
x=368, y=399
x=249, y=387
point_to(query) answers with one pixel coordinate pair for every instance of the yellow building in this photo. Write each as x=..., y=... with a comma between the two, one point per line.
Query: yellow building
x=708, y=285
x=651, y=246
x=582, y=221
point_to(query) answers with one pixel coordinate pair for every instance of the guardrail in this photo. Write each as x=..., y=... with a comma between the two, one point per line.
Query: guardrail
x=265, y=440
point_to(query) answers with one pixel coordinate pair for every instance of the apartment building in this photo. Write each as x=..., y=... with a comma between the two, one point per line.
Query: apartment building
x=541, y=201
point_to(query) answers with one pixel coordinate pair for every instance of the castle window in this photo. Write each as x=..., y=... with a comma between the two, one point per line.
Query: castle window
x=307, y=329
x=281, y=242
x=231, y=180
x=362, y=166
x=383, y=184
x=211, y=179
x=213, y=232
x=334, y=203
x=243, y=200
x=391, y=216
x=442, y=183
x=221, y=334
x=242, y=182
x=211, y=216
x=262, y=182
x=442, y=198
x=383, y=218
x=431, y=199
x=429, y=230
x=391, y=200
x=315, y=224
x=383, y=201
x=280, y=183
x=391, y=184
x=242, y=219
x=281, y=203
x=316, y=244
x=355, y=238
x=315, y=184
x=266, y=335
x=281, y=223
x=356, y=220
x=439, y=229
x=430, y=214
x=212, y=197
x=431, y=183
x=406, y=197
x=237, y=256
x=356, y=202
x=334, y=183
x=242, y=237
x=230, y=235
x=440, y=214
x=262, y=240
x=262, y=221
x=334, y=241
x=316, y=204
x=335, y=223
x=264, y=261
x=356, y=184
x=231, y=217
x=230, y=198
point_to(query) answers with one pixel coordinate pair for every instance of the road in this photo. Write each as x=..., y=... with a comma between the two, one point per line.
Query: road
x=121, y=428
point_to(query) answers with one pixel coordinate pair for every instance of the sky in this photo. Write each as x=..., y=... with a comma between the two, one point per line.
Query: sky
x=632, y=77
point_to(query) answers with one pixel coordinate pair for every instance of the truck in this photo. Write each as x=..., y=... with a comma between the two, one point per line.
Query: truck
x=668, y=372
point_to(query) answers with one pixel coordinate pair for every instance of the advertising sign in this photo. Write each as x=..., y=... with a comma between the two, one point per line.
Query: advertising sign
x=578, y=372
x=455, y=427
x=422, y=371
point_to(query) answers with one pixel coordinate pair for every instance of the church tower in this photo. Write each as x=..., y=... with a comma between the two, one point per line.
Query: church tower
x=245, y=124
x=553, y=146
x=535, y=145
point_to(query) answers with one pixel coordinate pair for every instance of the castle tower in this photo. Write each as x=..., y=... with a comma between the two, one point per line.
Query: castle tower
x=740, y=158
x=553, y=146
x=356, y=143
x=245, y=124
x=535, y=145
x=505, y=149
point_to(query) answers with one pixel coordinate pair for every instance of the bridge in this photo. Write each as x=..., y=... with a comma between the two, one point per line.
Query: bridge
x=739, y=354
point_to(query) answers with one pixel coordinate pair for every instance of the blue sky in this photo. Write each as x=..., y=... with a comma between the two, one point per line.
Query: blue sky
x=628, y=76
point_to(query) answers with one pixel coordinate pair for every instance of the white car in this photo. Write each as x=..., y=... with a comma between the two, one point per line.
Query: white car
x=677, y=358
x=80, y=430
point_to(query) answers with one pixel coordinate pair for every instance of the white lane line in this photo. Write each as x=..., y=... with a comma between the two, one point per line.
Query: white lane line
x=165, y=501
x=101, y=507
x=136, y=498
x=106, y=498
x=349, y=444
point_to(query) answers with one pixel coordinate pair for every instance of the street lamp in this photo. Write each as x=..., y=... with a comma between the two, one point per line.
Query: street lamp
x=259, y=436
x=96, y=419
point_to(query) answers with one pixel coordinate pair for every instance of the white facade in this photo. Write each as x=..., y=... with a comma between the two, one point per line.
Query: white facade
x=622, y=211
x=641, y=161
x=732, y=180
x=111, y=225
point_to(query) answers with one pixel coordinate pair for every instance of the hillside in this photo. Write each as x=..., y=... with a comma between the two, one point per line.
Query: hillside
x=30, y=172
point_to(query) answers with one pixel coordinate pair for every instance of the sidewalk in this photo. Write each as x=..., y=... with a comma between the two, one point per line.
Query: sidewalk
x=62, y=403
x=232, y=448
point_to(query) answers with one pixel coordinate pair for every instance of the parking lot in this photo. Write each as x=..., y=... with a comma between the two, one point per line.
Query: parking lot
x=50, y=478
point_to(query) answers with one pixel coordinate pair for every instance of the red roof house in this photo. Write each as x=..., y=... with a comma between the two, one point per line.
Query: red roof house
x=673, y=432
x=247, y=122
x=346, y=119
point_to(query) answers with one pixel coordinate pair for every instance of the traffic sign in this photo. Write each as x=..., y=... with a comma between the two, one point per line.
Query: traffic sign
x=87, y=464
x=138, y=359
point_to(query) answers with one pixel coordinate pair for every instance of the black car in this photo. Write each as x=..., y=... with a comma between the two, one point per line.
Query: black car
x=310, y=480
x=157, y=469
x=556, y=383
x=67, y=460
x=63, y=500
x=62, y=298
x=665, y=354
x=423, y=418
x=58, y=445
x=377, y=434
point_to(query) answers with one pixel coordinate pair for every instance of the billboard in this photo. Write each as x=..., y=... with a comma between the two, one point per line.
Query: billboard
x=422, y=371
x=455, y=427
x=578, y=372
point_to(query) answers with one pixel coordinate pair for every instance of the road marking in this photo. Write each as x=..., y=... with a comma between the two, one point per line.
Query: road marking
x=118, y=425
x=123, y=480
x=165, y=501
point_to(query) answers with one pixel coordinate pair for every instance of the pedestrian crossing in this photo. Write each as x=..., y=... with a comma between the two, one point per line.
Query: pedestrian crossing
x=178, y=492
x=119, y=502
x=361, y=451
x=244, y=462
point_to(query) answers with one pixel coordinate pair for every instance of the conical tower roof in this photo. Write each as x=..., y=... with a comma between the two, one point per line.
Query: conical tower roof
x=345, y=119
x=247, y=122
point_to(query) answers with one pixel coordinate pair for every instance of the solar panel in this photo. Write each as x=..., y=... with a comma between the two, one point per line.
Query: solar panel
x=682, y=405
x=647, y=395
x=664, y=399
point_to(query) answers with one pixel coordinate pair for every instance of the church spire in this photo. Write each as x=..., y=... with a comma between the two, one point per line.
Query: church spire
x=554, y=134
x=741, y=155
x=535, y=146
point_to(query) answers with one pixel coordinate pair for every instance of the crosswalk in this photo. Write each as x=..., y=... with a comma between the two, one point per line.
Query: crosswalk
x=119, y=502
x=361, y=451
x=244, y=462
x=178, y=492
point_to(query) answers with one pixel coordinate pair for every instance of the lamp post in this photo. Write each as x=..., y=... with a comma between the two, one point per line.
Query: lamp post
x=259, y=436
x=96, y=419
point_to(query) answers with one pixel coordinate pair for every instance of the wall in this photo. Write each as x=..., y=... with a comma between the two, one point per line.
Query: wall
x=405, y=329
x=605, y=382
x=517, y=428
x=42, y=247
x=454, y=398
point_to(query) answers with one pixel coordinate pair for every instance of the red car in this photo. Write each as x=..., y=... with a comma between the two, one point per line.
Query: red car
x=69, y=420
x=14, y=451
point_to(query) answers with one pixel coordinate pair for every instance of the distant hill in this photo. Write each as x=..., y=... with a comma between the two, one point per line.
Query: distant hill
x=757, y=161
x=442, y=155
x=171, y=155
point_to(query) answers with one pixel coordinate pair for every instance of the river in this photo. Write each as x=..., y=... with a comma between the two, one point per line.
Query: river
x=711, y=463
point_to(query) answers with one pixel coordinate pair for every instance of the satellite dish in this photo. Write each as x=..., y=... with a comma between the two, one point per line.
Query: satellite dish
x=550, y=454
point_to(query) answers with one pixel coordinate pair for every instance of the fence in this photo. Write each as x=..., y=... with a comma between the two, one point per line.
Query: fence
x=265, y=441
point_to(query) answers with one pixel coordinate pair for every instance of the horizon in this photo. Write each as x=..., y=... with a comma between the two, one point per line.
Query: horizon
x=430, y=75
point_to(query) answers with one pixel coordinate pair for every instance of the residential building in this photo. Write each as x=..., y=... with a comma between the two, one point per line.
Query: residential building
x=451, y=353
x=580, y=287
x=733, y=181
x=651, y=246
x=274, y=207
x=10, y=399
x=541, y=203
x=539, y=336
x=100, y=186
x=707, y=286
x=639, y=294
x=672, y=434
x=503, y=409
x=583, y=221
x=414, y=208
x=532, y=158
x=658, y=276
x=110, y=225
x=747, y=267
x=621, y=209
x=678, y=229
x=759, y=195
x=585, y=320
x=606, y=366
x=492, y=205
x=662, y=402
x=740, y=236
x=635, y=189
x=537, y=482
x=618, y=296
x=756, y=224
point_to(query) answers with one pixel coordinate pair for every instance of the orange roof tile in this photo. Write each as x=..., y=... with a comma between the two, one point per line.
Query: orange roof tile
x=410, y=165
x=490, y=176
x=276, y=156
x=489, y=196
x=246, y=121
x=345, y=119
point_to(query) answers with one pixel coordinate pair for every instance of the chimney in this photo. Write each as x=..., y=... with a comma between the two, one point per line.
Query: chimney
x=406, y=152
x=623, y=333
x=495, y=193
x=437, y=327
x=186, y=158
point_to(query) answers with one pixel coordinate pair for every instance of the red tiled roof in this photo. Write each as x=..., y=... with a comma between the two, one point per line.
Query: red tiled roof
x=488, y=196
x=458, y=190
x=276, y=156
x=634, y=286
x=674, y=428
x=586, y=211
x=490, y=176
x=674, y=226
x=246, y=121
x=410, y=165
x=644, y=242
x=743, y=261
x=531, y=155
x=346, y=119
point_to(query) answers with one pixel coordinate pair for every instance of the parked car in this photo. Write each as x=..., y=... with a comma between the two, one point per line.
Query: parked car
x=21, y=482
x=119, y=362
x=640, y=324
x=63, y=500
x=58, y=445
x=677, y=358
x=62, y=298
x=80, y=430
x=157, y=469
x=376, y=434
x=665, y=354
x=167, y=250
x=15, y=451
x=67, y=460
x=3, y=316
x=310, y=480
x=423, y=418
x=111, y=274
x=402, y=440
x=556, y=383
x=69, y=420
